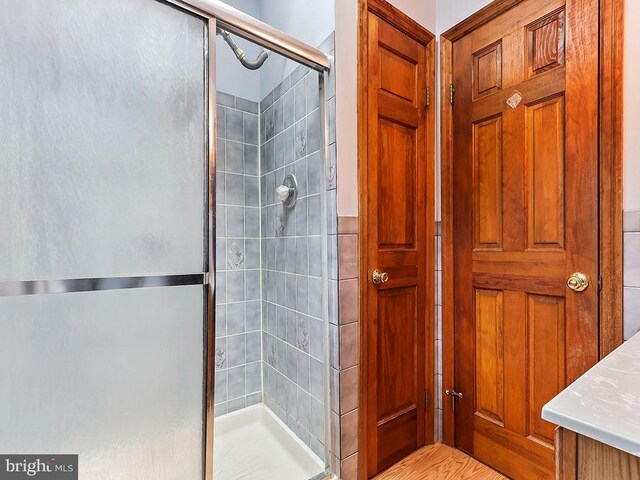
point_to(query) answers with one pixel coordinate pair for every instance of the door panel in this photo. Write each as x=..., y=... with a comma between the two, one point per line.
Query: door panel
x=545, y=180
x=546, y=38
x=397, y=75
x=396, y=211
x=546, y=342
x=397, y=344
x=525, y=218
x=490, y=355
x=488, y=196
x=487, y=70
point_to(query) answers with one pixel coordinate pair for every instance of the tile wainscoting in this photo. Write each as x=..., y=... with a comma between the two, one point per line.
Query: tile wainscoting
x=344, y=340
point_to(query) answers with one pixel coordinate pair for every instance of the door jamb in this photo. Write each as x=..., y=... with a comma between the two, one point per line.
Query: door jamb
x=410, y=27
x=610, y=183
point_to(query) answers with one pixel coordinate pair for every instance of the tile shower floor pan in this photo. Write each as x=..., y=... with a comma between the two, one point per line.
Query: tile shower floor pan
x=253, y=444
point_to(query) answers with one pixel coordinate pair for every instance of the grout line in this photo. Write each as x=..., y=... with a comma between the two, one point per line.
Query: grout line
x=239, y=333
x=241, y=142
x=227, y=172
x=295, y=383
x=290, y=273
x=292, y=310
x=239, y=109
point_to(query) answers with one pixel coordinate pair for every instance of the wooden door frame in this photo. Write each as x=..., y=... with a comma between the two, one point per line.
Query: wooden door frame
x=610, y=183
x=410, y=27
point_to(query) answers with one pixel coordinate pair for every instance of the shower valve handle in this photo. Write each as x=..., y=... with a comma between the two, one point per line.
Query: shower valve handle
x=283, y=192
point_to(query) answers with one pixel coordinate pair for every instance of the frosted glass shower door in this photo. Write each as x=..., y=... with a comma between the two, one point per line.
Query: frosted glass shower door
x=103, y=215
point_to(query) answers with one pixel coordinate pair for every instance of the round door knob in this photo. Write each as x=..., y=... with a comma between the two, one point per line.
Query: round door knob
x=578, y=282
x=378, y=277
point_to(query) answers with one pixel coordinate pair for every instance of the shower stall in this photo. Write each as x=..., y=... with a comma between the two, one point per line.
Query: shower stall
x=271, y=360
x=163, y=282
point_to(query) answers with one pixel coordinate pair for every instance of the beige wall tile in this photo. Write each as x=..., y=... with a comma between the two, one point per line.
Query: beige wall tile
x=349, y=345
x=349, y=468
x=349, y=433
x=349, y=301
x=349, y=390
x=348, y=256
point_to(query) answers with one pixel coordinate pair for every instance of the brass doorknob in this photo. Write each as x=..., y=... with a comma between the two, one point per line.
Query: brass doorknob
x=578, y=282
x=378, y=277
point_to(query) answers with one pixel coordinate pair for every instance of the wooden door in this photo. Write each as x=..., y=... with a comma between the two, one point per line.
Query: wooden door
x=525, y=180
x=396, y=175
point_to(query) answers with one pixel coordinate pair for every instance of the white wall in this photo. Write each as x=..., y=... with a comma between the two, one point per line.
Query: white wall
x=346, y=63
x=451, y=12
x=423, y=12
x=632, y=107
x=310, y=21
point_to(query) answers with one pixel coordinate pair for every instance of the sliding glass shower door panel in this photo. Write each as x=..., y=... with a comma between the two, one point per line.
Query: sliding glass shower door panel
x=113, y=376
x=103, y=186
x=102, y=139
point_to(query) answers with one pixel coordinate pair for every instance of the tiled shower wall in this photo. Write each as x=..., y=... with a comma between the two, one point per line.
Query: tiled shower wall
x=238, y=318
x=294, y=335
x=270, y=337
x=631, y=273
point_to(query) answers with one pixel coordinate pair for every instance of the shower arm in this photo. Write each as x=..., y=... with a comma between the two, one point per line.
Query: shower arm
x=240, y=55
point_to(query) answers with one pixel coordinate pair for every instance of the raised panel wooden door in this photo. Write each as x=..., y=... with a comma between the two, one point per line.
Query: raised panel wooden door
x=396, y=217
x=525, y=219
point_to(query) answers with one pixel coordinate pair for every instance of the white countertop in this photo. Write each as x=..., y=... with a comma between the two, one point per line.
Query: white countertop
x=604, y=404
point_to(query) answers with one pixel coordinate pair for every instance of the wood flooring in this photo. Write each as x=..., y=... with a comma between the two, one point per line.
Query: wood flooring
x=439, y=462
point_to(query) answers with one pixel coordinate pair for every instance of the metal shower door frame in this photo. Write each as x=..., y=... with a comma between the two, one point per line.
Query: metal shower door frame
x=213, y=12
x=217, y=13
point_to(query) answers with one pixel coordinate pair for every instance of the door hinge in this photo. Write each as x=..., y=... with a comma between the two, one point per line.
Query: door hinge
x=452, y=91
x=426, y=400
x=427, y=97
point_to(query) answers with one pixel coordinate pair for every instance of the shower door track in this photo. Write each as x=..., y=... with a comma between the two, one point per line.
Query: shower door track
x=219, y=14
x=40, y=287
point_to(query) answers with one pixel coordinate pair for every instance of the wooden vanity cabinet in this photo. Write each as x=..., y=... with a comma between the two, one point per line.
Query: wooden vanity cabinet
x=582, y=458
